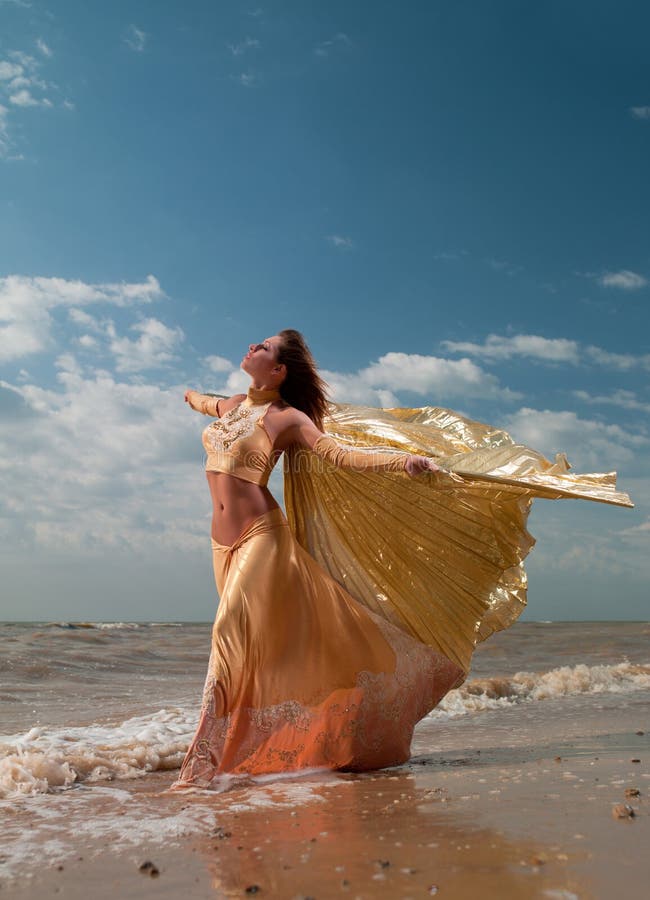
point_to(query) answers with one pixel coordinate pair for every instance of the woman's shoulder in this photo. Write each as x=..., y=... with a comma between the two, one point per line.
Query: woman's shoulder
x=289, y=412
x=231, y=402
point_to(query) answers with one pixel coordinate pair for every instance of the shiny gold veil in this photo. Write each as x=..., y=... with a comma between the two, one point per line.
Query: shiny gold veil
x=439, y=555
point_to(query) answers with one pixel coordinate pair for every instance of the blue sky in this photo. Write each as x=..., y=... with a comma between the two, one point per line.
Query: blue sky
x=450, y=200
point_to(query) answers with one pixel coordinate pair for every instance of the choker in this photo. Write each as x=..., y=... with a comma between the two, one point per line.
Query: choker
x=259, y=395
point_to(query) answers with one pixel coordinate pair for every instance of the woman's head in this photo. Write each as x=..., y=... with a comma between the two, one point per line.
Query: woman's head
x=262, y=364
x=284, y=361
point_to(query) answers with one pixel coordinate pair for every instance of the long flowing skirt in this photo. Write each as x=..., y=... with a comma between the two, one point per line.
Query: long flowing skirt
x=301, y=674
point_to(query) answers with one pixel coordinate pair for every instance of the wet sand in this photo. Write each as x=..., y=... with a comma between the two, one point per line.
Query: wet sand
x=503, y=823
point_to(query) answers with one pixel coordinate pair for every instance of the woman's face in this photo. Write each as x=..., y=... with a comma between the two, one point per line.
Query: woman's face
x=261, y=361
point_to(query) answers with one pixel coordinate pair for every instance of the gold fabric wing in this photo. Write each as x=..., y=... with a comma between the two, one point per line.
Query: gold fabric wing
x=441, y=556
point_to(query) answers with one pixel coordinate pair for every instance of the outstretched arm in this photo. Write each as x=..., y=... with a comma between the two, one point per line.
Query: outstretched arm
x=203, y=403
x=326, y=447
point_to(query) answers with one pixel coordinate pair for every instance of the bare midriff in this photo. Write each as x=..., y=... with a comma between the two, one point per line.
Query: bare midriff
x=235, y=505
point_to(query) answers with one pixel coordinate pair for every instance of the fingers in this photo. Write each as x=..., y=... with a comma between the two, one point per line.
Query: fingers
x=428, y=465
x=418, y=464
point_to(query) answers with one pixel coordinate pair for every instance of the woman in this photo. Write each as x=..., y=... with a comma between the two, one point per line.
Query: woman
x=305, y=672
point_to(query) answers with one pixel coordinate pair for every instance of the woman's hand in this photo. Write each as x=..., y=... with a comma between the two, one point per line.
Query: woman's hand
x=187, y=395
x=417, y=464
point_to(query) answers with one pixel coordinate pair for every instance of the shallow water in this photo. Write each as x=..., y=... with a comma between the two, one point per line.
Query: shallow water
x=91, y=702
x=95, y=716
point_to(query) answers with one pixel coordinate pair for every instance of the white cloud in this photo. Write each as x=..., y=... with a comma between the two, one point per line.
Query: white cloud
x=502, y=265
x=4, y=136
x=24, y=98
x=27, y=303
x=236, y=383
x=589, y=444
x=436, y=379
x=155, y=347
x=9, y=70
x=135, y=38
x=43, y=47
x=553, y=350
x=218, y=364
x=622, y=399
x=246, y=79
x=127, y=453
x=338, y=42
x=637, y=531
x=22, y=88
x=24, y=59
x=528, y=345
x=622, y=361
x=112, y=446
x=625, y=279
x=81, y=317
x=640, y=112
x=339, y=241
x=247, y=44
x=352, y=388
x=379, y=383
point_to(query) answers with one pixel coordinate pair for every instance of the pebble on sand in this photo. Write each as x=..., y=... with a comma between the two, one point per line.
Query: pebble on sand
x=623, y=811
x=149, y=867
x=632, y=792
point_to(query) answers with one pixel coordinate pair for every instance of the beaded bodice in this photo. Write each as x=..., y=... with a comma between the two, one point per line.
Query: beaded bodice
x=238, y=443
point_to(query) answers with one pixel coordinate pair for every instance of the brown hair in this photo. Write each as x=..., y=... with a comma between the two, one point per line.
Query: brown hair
x=303, y=387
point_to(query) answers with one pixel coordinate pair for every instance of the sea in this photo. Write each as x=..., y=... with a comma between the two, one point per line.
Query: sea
x=90, y=708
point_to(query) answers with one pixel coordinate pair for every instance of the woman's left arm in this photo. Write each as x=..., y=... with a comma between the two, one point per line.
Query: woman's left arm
x=362, y=459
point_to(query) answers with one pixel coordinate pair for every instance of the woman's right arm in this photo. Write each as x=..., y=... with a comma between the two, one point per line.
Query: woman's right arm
x=212, y=406
x=203, y=403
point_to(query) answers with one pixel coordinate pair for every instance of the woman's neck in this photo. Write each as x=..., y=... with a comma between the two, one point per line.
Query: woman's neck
x=262, y=394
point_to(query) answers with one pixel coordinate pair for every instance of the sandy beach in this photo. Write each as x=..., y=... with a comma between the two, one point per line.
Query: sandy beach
x=510, y=822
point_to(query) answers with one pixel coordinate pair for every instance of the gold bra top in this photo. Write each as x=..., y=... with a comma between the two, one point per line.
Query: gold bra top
x=238, y=443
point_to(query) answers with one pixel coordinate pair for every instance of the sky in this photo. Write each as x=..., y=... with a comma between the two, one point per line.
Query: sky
x=450, y=200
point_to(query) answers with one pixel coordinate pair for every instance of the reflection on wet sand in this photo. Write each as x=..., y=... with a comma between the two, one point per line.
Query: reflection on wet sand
x=530, y=818
x=386, y=835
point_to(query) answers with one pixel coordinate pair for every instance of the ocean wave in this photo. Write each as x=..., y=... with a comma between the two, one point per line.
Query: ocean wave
x=482, y=694
x=49, y=759
x=109, y=626
x=46, y=759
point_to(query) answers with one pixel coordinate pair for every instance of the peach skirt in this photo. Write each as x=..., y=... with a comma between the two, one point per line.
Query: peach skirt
x=301, y=675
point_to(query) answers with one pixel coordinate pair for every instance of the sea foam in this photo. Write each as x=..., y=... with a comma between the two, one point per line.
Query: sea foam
x=53, y=758
x=482, y=694
x=49, y=758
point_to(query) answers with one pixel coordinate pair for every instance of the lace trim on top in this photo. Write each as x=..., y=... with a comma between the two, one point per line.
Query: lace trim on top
x=223, y=437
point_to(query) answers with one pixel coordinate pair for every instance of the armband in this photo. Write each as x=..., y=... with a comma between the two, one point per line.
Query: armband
x=204, y=403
